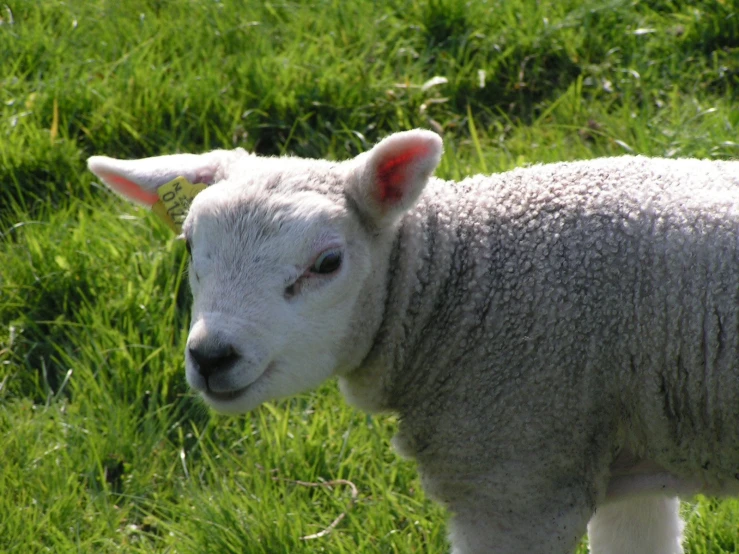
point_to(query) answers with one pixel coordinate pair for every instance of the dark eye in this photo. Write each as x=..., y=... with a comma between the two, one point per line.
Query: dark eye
x=328, y=262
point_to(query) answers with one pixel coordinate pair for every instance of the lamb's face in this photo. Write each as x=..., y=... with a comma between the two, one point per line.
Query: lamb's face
x=289, y=259
x=275, y=279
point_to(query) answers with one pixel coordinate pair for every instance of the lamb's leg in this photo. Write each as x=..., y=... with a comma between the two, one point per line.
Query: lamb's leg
x=637, y=525
x=482, y=527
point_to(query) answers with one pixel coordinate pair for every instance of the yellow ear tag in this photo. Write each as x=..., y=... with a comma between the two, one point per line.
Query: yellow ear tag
x=174, y=201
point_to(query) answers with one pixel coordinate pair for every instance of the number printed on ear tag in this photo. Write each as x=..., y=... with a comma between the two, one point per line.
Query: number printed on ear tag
x=175, y=198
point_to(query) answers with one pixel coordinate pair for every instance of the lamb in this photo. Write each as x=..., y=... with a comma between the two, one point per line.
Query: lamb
x=561, y=341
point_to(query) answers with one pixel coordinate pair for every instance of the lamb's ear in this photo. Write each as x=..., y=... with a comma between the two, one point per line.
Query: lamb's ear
x=387, y=180
x=138, y=180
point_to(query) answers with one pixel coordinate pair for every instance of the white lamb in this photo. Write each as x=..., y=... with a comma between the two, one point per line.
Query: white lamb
x=561, y=341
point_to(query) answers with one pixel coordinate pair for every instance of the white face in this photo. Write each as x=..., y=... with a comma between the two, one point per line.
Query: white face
x=288, y=283
x=275, y=280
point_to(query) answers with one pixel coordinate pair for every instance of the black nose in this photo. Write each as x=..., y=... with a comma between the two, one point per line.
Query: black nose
x=212, y=359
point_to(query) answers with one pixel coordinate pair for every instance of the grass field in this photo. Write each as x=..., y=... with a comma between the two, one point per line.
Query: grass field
x=103, y=447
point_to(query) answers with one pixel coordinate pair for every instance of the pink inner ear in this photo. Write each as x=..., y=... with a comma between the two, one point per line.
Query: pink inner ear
x=392, y=177
x=129, y=189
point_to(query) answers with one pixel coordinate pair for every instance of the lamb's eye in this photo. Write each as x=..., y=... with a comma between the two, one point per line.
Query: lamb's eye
x=328, y=262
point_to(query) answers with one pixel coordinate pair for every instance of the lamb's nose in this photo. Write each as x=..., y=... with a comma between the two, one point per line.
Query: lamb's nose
x=212, y=359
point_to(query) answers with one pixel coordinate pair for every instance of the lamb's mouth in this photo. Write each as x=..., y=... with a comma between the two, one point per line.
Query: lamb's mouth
x=226, y=396
x=230, y=396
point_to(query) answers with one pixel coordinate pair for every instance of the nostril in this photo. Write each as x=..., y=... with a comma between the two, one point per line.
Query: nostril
x=213, y=359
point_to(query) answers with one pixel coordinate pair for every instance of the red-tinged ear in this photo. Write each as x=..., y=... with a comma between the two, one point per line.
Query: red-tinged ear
x=138, y=180
x=388, y=179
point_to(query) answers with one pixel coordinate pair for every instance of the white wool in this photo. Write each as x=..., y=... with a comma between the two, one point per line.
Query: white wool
x=560, y=341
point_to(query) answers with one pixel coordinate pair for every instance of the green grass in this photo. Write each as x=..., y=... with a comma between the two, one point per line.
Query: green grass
x=104, y=449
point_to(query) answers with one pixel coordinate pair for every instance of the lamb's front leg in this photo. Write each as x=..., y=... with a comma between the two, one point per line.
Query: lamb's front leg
x=637, y=525
x=540, y=520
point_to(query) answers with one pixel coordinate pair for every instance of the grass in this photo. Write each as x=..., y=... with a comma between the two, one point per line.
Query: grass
x=104, y=448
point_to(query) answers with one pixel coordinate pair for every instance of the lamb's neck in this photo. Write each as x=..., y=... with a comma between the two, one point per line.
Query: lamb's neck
x=431, y=266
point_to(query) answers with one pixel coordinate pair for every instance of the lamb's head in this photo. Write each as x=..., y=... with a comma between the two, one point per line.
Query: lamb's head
x=289, y=259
